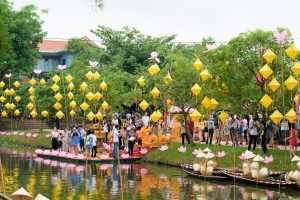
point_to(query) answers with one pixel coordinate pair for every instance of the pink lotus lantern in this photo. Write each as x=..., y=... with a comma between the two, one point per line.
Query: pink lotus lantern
x=93, y=64
x=62, y=67
x=21, y=134
x=243, y=156
x=196, y=152
x=163, y=177
x=46, y=152
x=126, y=149
x=15, y=133
x=80, y=156
x=105, y=166
x=164, y=148
x=35, y=135
x=38, y=151
x=107, y=147
x=144, y=151
x=28, y=135
x=211, y=47
x=8, y=133
x=47, y=136
x=268, y=160
x=37, y=71
x=280, y=37
x=54, y=153
x=71, y=155
x=123, y=155
x=62, y=154
x=103, y=156
x=182, y=149
x=46, y=162
x=270, y=194
x=154, y=56
x=221, y=154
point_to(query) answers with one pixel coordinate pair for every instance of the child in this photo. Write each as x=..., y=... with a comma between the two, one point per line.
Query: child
x=293, y=140
x=197, y=138
x=263, y=140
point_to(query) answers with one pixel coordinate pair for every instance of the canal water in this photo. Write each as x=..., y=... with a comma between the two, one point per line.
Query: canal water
x=60, y=180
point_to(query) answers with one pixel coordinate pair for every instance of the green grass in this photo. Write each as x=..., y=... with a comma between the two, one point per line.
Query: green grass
x=174, y=158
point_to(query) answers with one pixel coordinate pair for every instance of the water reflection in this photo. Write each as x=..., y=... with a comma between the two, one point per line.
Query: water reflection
x=62, y=180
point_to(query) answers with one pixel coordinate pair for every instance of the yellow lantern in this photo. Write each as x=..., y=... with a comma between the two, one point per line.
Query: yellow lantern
x=198, y=64
x=84, y=106
x=266, y=71
x=17, y=99
x=60, y=115
x=296, y=68
x=42, y=81
x=12, y=106
x=31, y=90
x=96, y=76
x=7, y=106
x=223, y=116
x=2, y=99
x=71, y=86
x=141, y=81
x=90, y=116
x=72, y=113
x=33, y=113
x=144, y=105
x=90, y=96
x=70, y=95
x=167, y=79
x=73, y=104
x=274, y=85
x=269, y=56
x=58, y=96
x=104, y=105
x=103, y=85
x=205, y=75
x=154, y=69
x=32, y=98
x=206, y=102
x=169, y=101
x=4, y=113
x=155, y=116
x=266, y=101
x=99, y=115
x=213, y=104
x=83, y=86
x=30, y=106
x=195, y=115
x=196, y=89
x=276, y=117
x=155, y=92
x=55, y=87
x=55, y=79
x=17, y=84
x=292, y=51
x=32, y=81
x=44, y=113
x=296, y=98
x=291, y=115
x=17, y=112
x=291, y=83
x=2, y=84
x=89, y=75
x=11, y=92
x=98, y=96
x=57, y=106
x=6, y=92
x=69, y=78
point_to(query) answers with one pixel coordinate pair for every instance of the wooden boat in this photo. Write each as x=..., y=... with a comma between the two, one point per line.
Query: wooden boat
x=188, y=168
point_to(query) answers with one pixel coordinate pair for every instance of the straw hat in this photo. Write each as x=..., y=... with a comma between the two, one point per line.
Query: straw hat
x=40, y=197
x=206, y=150
x=21, y=194
x=258, y=158
x=209, y=155
x=295, y=158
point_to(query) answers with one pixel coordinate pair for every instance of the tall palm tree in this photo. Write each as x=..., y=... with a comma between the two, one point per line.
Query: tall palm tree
x=99, y=3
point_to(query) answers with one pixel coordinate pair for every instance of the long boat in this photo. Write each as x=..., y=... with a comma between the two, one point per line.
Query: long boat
x=188, y=168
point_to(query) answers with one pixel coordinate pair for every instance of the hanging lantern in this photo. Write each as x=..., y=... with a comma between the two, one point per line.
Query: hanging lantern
x=155, y=116
x=195, y=115
x=223, y=116
x=89, y=75
x=269, y=56
x=103, y=85
x=17, y=112
x=12, y=106
x=196, y=89
x=198, y=64
x=154, y=69
x=276, y=117
x=292, y=51
x=99, y=115
x=213, y=104
x=167, y=79
x=266, y=71
x=32, y=98
x=96, y=76
x=57, y=106
x=84, y=106
x=291, y=83
x=17, y=84
x=90, y=96
x=98, y=96
x=169, y=102
x=4, y=113
x=17, y=99
x=206, y=102
x=90, y=116
x=11, y=92
x=205, y=75
x=70, y=95
x=141, y=81
x=55, y=87
x=59, y=114
x=31, y=90
x=42, y=81
x=291, y=115
x=155, y=92
x=32, y=82
x=2, y=99
x=58, y=96
x=69, y=78
x=72, y=113
x=71, y=86
x=2, y=84
x=296, y=98
x=104, y=105
x=266, y=101
x=73, y=104
x=55, y=79
x=274, y=85
x=33, y=113
x=83, y=86
x=44, y=113
x=30, y=106
x=144, y=105
x=7, y=106
x=6, y=92
x=296, y=68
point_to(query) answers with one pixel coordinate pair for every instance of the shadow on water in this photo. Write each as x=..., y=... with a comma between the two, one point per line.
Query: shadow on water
x=61, y=180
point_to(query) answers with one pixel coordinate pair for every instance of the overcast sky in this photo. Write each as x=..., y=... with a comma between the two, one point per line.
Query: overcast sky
x=189, y=19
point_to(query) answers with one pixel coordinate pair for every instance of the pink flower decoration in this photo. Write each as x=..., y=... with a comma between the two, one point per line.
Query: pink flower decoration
x=93, y=64
x=144, y=171
x=62, y=154
x=8, y=75
x=80, y=156
x=126, y=149
x=38, y=151
x=182, y=149
x=268, y=160
x=54, y=153
x=196, y=152
x=46, y=136
x=61, y=67
x=8, y=133
x=211, y=47
x=71, y=155
x=221, y=154
x=54, y=163
x=46, y=152
x=107, y=147
x=37, y=159
x=46, y=162
x=280, y=37
x=243, y=156
x=63, y=164
x=270, y=194
x=103, y=156
x=37, y=71
x=35, y=135
x=21, y=134
x=123, y=155
x=15, y=133
x=164, y=148
x=154, y=56
x=144, y=151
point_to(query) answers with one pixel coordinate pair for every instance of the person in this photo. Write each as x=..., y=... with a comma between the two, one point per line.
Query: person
x=226, y=131
x=154, y=128
x=211, y=128
x=82, y=133
x=253, y=126
x=183, y=133
x=105, y=128
x=196, y=135
x=145, y=119
x=123, y=135
x=293, y=140
x=284, y=128
x=131, y=140
x=138, y=122
x=115, y=137
x=59, y=138
x=218, y=131
x=241, y=131
x=94, y=144
x=263, y=139
x=191, y=125
x=54, y=139
x=65, y=140
x=203, y=130
x=234, y=125
x=89, y=141
x=115, y=120
x=57, y=123
x=75, y=142
x=270, y=133
x=245, y=125
x=128, y=118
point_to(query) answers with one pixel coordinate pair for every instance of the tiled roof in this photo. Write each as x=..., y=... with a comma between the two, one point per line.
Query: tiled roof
x=53, y=45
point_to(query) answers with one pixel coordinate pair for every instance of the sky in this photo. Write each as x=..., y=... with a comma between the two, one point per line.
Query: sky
x=190, y=20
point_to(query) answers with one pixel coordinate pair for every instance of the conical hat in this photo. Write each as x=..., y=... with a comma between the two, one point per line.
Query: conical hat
x=206, y=150
x=21, y=193
x=200, y=155
x=209, y=155
x=40, y=197
x=258, y=158
x=295, y=158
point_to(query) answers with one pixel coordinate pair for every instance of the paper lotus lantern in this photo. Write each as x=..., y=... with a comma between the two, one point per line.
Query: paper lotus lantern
x=103, y=85
x=17, y=112
x=89, y=75
x=291, y=83
x=42, y=81
x=274, y=85
x=17, y=99
x=2, y=99
x=144, y=105
x=57, y=106
x=141, y=81
x=96, y=76
x=70, y=95
x=99, y=115
x=155, y=116
x=266, y=71
x=33, y=113
x=296, y=98
x=269, y=56
x=17, y=84
x=30, y=106
x=292, y=51
x=266, y=101
x=32, y=98
x=98, y=96
x=90, y=96
x=32, y=81
x=104, y=105
x=11, y=92
x=58, y=96
x=213, y=104
x=84, y=106
x=155, y=92
x=198, y=64
x=276, y=117
x=59, y=115
x=69, y=78
x=90, y=116
x=296, y=68
x=195, y=115
x=72, y=113
x=55, y=87
x=31, y=90
x=7, y=92
x=83, y=86
x=73, y=104
x=71, y=86
x=291, y=115
x=196, y=89
x=55, y=79
x=223, y=116
x=205, y=75
x=2, y=84
x=4, y=113
x=44, y=113
x=206, y=102
x=154, y=69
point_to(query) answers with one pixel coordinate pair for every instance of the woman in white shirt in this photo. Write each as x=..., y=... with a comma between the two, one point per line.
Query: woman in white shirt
x=54, y=139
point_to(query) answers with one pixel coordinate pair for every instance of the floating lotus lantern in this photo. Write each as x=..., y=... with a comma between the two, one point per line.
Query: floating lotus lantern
x=144, y=105
x=90, y=96
x=155, y=92
x=90, y=116
x=83, y=86
x=104, y=105
x=164, y=148
x=17, y=84
x=70, y=95
x=59, y=114
x=291, y=115
x=73, y=104
x=141, y=81
x=69, y=78
x=205, y=75
x=154, y=69
x=42, y=81
x=206, y=102
x=266, y=101
x=55, y=87
x=89, y=75
x=58, y=96
x=276, y=117
x=291, y=83
x=196, y=89
x=71, y=86
x=292, y=51
x=269, y=56
x=195, y=115
x=266, y=71
x=84, y=106
x=103, y=85
x=198, y=64
x=44, y=113
x=55, y=79
x=274, y=85
x=296, y=68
